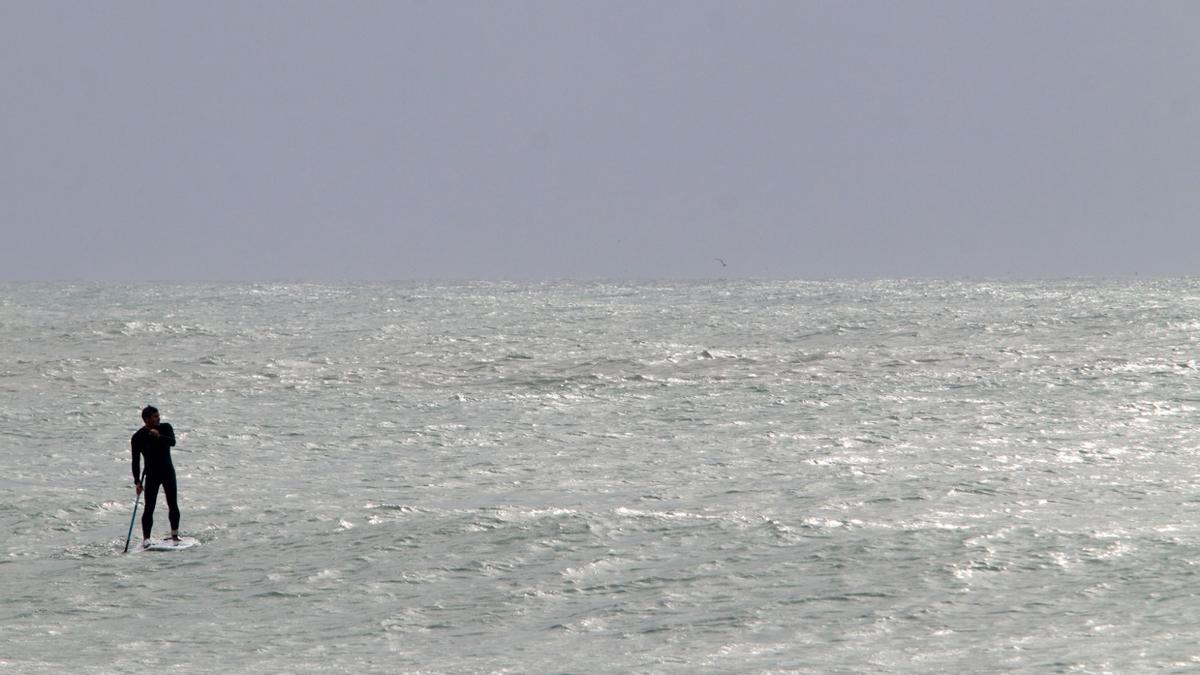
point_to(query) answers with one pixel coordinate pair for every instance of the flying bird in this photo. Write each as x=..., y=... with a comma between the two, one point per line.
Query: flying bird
x=722, y=261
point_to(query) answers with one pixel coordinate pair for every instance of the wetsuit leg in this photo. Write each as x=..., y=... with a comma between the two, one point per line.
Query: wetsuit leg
x=150, y=491
x=170, y=489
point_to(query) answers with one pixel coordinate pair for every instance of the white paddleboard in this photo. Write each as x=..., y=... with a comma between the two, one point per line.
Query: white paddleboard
x=170, y=544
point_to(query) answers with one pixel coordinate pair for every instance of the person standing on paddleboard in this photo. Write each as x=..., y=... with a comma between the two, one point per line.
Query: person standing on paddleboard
x=153, y=441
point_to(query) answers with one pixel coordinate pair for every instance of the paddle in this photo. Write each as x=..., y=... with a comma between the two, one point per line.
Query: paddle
x=136, y=498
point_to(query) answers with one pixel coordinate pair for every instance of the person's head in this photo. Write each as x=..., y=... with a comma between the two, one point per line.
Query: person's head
x=150, y=416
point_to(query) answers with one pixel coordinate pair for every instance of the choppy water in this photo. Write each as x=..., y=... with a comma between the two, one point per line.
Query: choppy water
x=607, y=477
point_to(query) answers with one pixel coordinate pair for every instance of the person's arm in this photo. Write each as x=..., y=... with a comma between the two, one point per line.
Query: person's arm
x=168, y=434
x=137, y=466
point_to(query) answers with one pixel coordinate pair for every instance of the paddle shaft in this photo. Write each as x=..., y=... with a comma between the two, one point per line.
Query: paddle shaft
x=132, y=518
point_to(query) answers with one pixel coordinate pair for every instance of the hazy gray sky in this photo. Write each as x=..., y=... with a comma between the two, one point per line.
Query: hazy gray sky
x=530, y=139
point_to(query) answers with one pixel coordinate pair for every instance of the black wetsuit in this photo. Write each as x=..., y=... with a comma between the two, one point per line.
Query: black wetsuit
x=159, y=472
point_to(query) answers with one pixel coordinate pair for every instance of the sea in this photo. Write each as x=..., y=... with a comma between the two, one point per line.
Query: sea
x=876, y=476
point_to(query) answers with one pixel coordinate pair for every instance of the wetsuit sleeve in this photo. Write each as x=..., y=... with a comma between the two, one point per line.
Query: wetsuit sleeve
x=168, y=434
x=137, y=462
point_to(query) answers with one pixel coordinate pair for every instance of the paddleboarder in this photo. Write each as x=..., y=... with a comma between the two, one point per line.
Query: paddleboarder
x=153, y=441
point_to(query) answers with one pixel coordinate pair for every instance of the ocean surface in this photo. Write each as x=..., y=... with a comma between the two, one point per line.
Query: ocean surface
x=811, y=477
